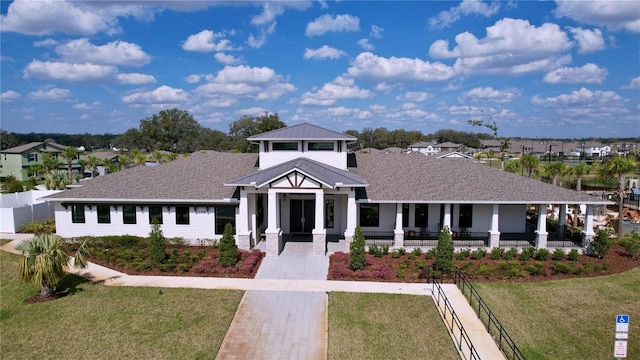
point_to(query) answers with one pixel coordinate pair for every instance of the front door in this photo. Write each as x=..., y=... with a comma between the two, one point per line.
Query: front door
x=302, y=215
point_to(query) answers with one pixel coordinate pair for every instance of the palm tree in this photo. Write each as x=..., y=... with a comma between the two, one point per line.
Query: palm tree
x=618, y=166
x=137, y=157
x=44, y=261
x=555, y=170
x=580, y=171
x=529, y=162
x=49, y=163
x=93, y=162
x=56, y=180
x=70, y=153
x=157, y=156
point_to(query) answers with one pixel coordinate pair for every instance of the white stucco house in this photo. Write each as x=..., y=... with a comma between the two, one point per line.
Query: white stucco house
x=305, y=185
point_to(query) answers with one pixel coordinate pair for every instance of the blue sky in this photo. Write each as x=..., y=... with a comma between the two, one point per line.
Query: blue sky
x=537, y=68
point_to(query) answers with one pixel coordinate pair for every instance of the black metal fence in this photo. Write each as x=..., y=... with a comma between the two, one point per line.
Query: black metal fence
x=378, y=238
x=461, y=338
x=488, y=318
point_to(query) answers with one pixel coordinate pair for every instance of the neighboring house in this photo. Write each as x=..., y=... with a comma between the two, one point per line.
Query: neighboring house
x=305, y=184
x=591, y=150
x=18, y=160
x=424, y=148
x=106, y=157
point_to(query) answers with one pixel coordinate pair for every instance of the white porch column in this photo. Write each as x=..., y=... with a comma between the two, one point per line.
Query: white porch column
x=273, y=236
x=446, y=219
x=562, y=215
x=243, y=235
x=319, y=232
x=494, y=232
x=541, y=232
x=352, y=216
x=398, y=232
x=587, y=232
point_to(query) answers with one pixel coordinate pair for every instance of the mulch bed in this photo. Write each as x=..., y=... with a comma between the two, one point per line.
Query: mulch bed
x=408, y=268
x=37, y=298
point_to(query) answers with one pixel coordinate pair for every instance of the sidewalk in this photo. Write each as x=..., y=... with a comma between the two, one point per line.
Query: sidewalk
x=276, y=299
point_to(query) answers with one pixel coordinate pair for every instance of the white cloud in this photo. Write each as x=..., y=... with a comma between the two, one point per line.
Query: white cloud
x=376, y=32
x=418, y=96
x=270, y=11
x=275, y=91
x=226, y=59
x=113, y=53
x=163, y=94
x=588, y=40
x=96, y=105
x=587, y=74
x=339, y=88
x=9, y=96
x=46, y=43
x=207, y=41
x=324, y=52
x=260, y=83
x=245, y=74
x=135, y=78
x=44, y=17
x=467, y=7
x=193, y=78
x=615, y=15
x=332, y=23
x=512, y=46
x=490, y=94
x=580, y=98
x=69, y=72
x=365, y=45
x=253, y=111
x=49, y=94
x=258, y=41
x=634, y=84
x=368, y=65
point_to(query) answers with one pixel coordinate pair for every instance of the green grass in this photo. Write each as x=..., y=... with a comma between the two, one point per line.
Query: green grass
x=101, y=322
x=568, y=319
x=386, y=326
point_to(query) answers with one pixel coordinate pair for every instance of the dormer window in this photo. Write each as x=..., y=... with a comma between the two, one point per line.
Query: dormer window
x=321, y=146
x=285, y=146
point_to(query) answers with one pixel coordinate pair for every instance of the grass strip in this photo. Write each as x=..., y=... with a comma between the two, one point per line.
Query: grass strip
x=386, y=326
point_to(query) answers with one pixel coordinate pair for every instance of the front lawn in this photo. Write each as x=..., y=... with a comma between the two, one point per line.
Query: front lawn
x=101, y=322
x=387, y=326
x=568, y=319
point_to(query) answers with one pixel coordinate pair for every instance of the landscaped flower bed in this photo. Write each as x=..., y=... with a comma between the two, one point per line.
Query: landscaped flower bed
x=129, y=254
x=501, y=265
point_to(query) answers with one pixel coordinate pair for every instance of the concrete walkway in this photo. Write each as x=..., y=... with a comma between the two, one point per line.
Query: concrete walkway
x=283, y=313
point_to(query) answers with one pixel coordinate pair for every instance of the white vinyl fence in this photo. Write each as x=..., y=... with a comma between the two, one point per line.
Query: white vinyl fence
x=20, y=208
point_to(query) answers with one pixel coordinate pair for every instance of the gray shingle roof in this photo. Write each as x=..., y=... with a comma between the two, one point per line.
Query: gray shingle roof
x=26, y=147
x=302, y=131
x=327, y=175
x=402, y=177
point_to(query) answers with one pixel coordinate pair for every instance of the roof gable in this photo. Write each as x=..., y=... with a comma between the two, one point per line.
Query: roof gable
x=304, y=131
x=38, y=145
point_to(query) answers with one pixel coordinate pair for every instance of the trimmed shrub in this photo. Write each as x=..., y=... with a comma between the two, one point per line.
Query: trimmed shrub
x=527, y=253
x=511, y=253
x=632, y=244
x=156, y=244
x=48, y=226
x=228, y=248
x=356, y=248
x=542, y=254
x=478, y=254
x=574, y=255
x=496, y=253
x=536, y=269
x=385, y=250
x=373, y=249
x=444, y=252
x=600, y=245
x=463, y=254
x=416, y=251
x=430, y=254
x=558, y=254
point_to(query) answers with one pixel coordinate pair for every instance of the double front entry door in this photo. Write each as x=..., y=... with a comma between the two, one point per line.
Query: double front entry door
x=302, y=215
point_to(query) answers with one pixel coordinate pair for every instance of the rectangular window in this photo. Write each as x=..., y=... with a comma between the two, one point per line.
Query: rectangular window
x=320, y=146
x=104, y=214
x=405, y=215
x=369, y=215
x=129, y=214
x=77, y=214
x=422, y=215
x=466, y=214
x=182, y=215
x=155, y=211
x=329, y=214
x=224, y=215
x=32, y=157
x=286, y=146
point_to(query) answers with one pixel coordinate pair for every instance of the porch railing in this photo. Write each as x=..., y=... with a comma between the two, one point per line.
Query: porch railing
x=378, y=238
x=488, y=318
x=563, y=236
x=511, y=239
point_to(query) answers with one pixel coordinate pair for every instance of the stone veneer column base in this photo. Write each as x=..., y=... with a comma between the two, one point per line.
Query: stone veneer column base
x=541, y=240
x=243, y=241
x=274, y=243
x=494, y=240
x=347, y=242
x=319, y=244
x=398, y=239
